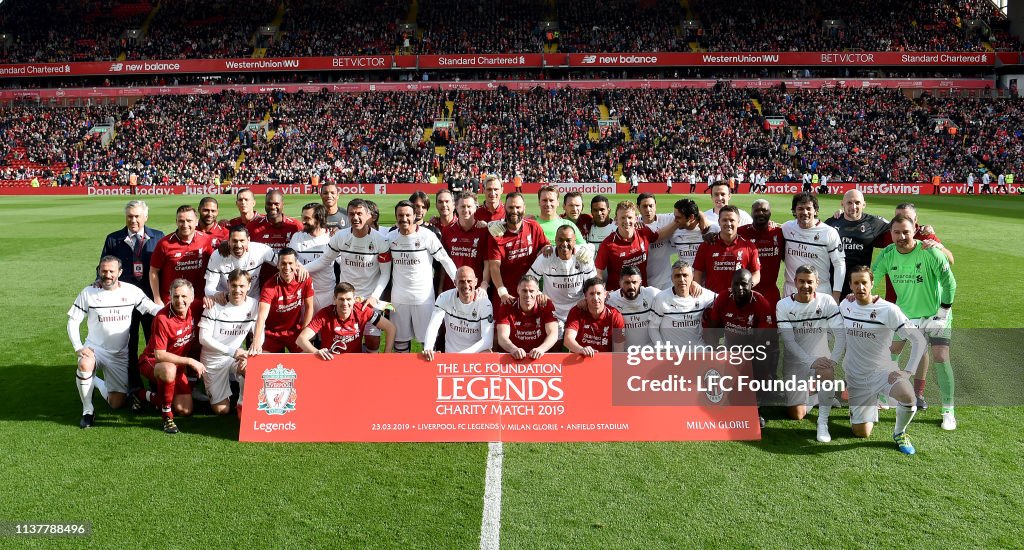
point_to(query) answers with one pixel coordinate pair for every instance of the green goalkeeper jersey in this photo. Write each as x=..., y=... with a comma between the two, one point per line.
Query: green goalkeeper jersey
x=921, y=278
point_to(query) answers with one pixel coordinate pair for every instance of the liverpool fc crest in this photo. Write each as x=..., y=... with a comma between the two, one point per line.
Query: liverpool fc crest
x=278, y=393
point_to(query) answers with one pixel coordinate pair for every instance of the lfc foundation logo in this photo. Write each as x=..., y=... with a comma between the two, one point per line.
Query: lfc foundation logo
x=278, y=393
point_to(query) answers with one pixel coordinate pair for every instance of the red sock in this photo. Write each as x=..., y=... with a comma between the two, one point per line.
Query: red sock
x=167, y=394
x=919, y=386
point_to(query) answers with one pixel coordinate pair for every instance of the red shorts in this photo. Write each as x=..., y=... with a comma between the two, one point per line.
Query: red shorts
x=277, y=343
x=182, y=386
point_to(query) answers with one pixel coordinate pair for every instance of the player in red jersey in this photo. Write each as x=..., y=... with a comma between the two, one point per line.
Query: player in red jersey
x=748, y=320
x=286, y=306
x=209, y=209
x=716, y=261
x=180, y=255
x=511, y=253
x=273, y=229
x=245, y=200
x=771, y=248
x=444, y=203
x=342, y=325
x=629, y=244
x=492, y=209
x=466, y=241
x=169, y=353
x=596, y=328
x=525, y=328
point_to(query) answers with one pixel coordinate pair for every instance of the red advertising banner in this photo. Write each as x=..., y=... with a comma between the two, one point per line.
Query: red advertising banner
x=353, y=87
x=491, y=397
x=511, y=61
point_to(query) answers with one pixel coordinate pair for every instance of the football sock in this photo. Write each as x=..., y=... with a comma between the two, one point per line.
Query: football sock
x=944, y=374
x=101, y=386
x=904, y=414
x=241, y=388
x=167, y=397
x=84, y=383
x=402, y=346
x=919, y=386
x=825, y=404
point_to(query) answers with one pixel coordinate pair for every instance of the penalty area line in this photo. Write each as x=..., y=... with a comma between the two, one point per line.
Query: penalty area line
x=490, y=526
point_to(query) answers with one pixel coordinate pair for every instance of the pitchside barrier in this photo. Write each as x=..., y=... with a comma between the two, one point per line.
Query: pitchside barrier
x=492, y=397
x=586, y=188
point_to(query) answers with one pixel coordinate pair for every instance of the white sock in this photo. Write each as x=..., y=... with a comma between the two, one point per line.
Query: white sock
x=825, y=405
x=241, y=388
x=101, y=386
x=84, y=383
x=904, y=414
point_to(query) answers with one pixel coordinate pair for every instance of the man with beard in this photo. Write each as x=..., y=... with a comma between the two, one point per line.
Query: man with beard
x=342, y=326
x=311, y=243
x=634, y=302
x=596, y=327
x=511, y=253
x=241, y=254
x=466, y=315
x=208, y=224
x=563, y=274
x=524, y=328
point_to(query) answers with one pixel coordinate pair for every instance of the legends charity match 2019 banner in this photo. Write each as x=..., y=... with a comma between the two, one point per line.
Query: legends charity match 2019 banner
x=492, y=397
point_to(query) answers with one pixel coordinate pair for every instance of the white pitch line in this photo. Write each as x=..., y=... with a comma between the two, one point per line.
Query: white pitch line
x=490, y=527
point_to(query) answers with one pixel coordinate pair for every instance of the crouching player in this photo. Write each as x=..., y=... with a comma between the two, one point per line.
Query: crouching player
x=805, y=319
x=109, y=308
x=341, y=326
x=870, y=323
x=222, y=333
x=596, y=328
x=168, y=355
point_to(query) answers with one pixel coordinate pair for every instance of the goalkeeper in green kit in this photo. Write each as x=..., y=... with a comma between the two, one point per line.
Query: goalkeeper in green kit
x=925, y=288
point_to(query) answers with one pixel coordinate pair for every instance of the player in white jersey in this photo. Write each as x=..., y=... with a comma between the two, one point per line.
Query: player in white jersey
x=659, y=255
x=242, y=254
x=687, y=240
x=599, y=224
x=361, y=253
x=109, y=310
x=309, y=245
x=563, y=273
x=811, y=242
x=676, y=314
x=634, y=302
x=804, y=320
x=467, y=316
x=222, y=332
x=413, y=251
x=870, y=323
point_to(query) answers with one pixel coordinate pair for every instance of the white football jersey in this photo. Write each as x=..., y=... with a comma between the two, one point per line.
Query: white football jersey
x=712, y=217
x=659, y=256
x=220, y=266
x=110, y=314
x=685, y=242
x=818, y=246
x=224, y=328
x=805, y=328
x=412, y=271
x=677, y=319
x=463, y=322
x=636, y=313
x=869, y=331
x=309, y=249
x=358, y=260
x=563, y=281
x=597, y=235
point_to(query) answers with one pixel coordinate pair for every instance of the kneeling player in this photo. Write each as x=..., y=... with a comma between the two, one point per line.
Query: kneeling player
x=222, y=333
x=870, y=323
x=467, y=316
x=109, y=309
x=805, y=319
x=342, y=325
x=525, y=328
x=168, y=355
x=596, y=328
x=676, y=315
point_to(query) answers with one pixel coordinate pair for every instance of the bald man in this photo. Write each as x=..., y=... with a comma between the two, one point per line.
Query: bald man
x=859, y=232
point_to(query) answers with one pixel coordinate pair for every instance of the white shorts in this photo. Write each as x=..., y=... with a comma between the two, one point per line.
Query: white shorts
x=371, y=330
x=115, y=368
x=797, y=371
x=217, y=378
x=411, y=321
x=864, y=395
x=323, y=299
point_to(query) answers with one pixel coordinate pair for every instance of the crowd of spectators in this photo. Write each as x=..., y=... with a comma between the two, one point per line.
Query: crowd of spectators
x=846, y=134
x=66, y=30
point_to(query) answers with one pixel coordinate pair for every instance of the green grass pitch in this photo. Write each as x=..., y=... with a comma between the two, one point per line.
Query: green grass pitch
x=143, y=488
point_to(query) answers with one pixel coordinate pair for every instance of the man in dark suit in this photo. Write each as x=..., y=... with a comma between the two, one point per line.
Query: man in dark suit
x=134, y=245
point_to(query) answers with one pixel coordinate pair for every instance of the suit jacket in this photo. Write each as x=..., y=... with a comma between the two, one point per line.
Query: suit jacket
x=115, y=245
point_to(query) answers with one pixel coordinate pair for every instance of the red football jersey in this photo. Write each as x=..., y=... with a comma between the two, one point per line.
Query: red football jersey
x=585, y=222
x=285, y=301
x=343, y=336
x=616, y=252
x=240, y=221
x=771, y=250
x=276, y=236
x=217, y=234
x=597, y=333
x=485, y=215
x=177, y=259
x=526, y=329
x=172, y=334
x=517, y=252
x=740, y=322
x=719, y=261
x=466, y=248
